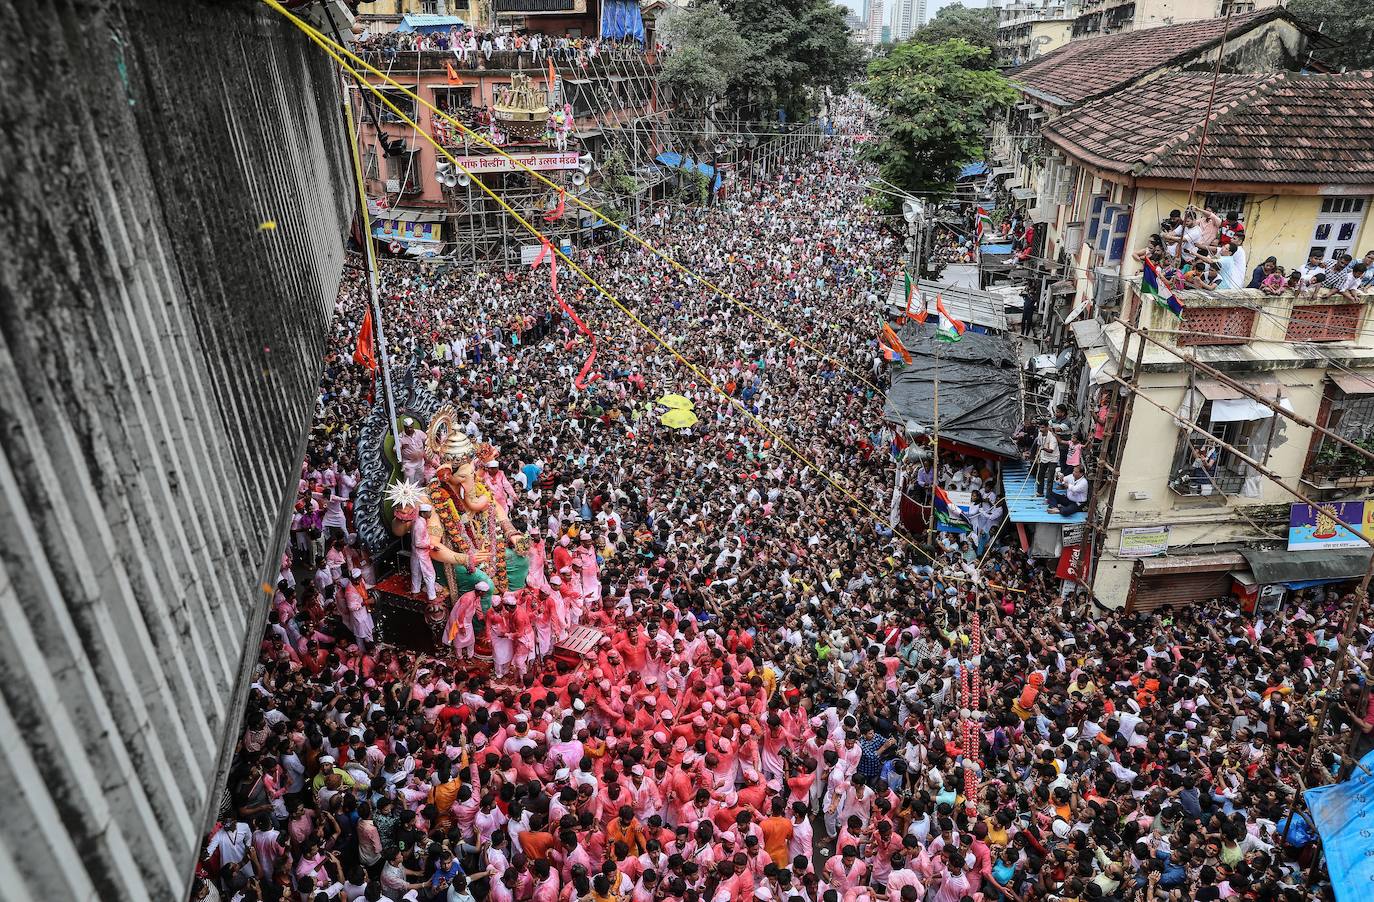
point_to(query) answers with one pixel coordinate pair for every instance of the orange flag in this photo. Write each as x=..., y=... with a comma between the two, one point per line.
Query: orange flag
x=366, y=353
x=453, y=78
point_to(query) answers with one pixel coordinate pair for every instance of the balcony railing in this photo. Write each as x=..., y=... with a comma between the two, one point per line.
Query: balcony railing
x=620, y=60
x=1201, y=469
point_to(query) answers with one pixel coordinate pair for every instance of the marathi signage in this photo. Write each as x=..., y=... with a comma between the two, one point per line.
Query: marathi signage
x=1317, y=526
x=498, y=163
x=1143, y=541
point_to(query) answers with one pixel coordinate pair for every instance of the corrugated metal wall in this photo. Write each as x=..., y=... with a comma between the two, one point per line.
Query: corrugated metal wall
x=159, y=361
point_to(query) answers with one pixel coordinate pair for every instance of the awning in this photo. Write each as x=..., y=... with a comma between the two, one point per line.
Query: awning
x=1306, y=568
x=1087, y=334
x=1190, y=563
x=428, y=23
x=405, y=215
x=1023, y=193
x=1354, y=383
x=1219, y=391
x=583, y=134
x=968, y=305
x=973, y=169
x=1063, y=286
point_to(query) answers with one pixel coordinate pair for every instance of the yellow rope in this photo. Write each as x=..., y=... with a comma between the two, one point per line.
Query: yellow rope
x=336, y=48
x=662, y=342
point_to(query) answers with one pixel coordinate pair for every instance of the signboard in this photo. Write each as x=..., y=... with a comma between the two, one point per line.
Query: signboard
x=497, y=163
x=391, y=229
x=1072, y=563
x=1316, y=527
x=529, y=253
x=1143, y=541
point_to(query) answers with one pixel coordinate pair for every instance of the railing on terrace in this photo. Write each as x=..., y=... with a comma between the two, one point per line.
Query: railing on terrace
x=619, y=60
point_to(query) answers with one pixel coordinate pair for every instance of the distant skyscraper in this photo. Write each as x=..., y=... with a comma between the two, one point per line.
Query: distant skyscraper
x=874, y=19
x=907, y=16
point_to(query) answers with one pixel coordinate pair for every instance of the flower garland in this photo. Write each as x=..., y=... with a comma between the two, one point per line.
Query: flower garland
x=456, y=524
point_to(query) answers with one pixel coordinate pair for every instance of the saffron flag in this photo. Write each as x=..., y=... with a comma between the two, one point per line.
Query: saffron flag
x=366, y=354
x=1152, y=285
x=947, y=513
x=915, y=303
x=891, y=346
x=947, y=328
x=553, y=84
x=453, y=78
x=982, y=223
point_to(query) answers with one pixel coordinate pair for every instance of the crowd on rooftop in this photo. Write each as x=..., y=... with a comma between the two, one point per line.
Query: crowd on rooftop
x=792, y=701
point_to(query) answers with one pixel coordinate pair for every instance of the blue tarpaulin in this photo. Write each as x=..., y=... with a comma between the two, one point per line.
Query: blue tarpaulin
x=973, y=169
x=428, y=23
x=676, y=161
x=1343, y=813
x=995, y=248
x=621, y=19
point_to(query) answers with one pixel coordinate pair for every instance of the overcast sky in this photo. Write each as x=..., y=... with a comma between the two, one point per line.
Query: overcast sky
x=931, y=5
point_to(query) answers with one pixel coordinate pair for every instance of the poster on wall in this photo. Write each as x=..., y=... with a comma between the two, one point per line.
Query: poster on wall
x=1071, y=563
x=1143, y=541
x=1312, y=527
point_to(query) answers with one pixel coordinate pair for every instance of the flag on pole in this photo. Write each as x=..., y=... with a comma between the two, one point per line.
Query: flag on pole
x=891, y=346
x=366, y=353
x=1153, y=285
x=553, y=84
x=982, y=223
x=453, y=78
x=915, y=308
x=947, y=328
x=947, y=513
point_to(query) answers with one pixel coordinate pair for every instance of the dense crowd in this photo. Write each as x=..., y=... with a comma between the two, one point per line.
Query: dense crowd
x=473, y=48
x=781, y=708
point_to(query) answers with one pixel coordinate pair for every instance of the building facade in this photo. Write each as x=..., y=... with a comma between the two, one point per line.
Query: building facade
x=1098, y=17
x=907, y=16
x=1027, y=29
x=1184, y=500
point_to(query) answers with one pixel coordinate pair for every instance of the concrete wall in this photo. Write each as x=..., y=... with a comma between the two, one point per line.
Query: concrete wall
x=159, y=359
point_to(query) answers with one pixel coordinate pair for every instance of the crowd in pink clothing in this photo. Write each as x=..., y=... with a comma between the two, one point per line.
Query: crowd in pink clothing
x=774, y=711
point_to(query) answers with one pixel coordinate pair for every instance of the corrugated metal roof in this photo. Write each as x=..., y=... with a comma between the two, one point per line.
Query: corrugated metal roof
x=982, y=308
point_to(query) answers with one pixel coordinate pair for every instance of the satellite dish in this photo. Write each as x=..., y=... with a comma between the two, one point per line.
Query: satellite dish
x=912, y=209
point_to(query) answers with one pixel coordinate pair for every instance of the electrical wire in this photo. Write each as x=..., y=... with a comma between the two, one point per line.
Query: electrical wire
x=323, y=42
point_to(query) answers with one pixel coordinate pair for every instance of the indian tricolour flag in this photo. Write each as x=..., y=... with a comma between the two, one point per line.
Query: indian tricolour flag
x=982, y=223
x=1153, y=285
x=947, y=328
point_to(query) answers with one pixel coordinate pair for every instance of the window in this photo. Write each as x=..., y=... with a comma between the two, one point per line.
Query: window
x=1337, y=227
x=1217, y=325
x=1327, y=322
x=1095, y=218
x=370, y=170
x=1203, y=467
x=1111, y=233
x=403, y=172
x=1224, y=204
x=397, y=99
x=1349, y=414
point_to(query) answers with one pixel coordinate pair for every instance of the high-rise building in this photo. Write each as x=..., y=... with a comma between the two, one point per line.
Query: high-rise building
x=873, y=17
x=907, y=16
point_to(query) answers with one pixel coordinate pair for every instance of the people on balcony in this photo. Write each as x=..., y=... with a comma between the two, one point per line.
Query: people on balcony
x=1072, y=494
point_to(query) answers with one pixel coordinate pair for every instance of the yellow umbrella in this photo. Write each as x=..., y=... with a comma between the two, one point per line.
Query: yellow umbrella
x=676, y=402
x=678, y=419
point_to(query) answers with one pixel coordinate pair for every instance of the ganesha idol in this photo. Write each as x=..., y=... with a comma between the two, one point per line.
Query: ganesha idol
x=470, y=532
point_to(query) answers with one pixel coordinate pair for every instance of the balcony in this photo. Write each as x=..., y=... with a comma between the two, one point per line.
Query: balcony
x=1201, y=469
x=1347, y=409
x=619, y=60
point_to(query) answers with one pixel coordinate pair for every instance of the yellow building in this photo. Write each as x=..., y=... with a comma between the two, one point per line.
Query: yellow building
x=1294, y=156
x=1096, y=17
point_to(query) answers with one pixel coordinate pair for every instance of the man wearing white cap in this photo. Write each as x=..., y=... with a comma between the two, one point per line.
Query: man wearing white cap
x=499, y=631
x=412, y=444
x=459, y=634
x=421, y=544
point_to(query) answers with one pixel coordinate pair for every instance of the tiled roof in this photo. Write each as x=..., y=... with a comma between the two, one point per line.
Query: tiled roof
x=1095, y=67
x=1278, y=128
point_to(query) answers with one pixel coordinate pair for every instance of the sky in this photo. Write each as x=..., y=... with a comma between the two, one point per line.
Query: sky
x=931, y=5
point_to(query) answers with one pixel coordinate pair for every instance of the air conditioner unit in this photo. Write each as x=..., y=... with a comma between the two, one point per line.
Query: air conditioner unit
x=1073, y=238
x=1107, y=286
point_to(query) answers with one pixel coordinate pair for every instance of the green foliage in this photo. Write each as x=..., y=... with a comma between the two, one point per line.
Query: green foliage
x=760, y=56
x=936, y=101
x=708, y=54
x=977, y=26
x=1350, y=23
x=618, y=185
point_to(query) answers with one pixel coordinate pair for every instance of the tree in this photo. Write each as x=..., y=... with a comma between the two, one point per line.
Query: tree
x=977, y=26
x=936, y=101
x=708, y=54
x=1340, y=20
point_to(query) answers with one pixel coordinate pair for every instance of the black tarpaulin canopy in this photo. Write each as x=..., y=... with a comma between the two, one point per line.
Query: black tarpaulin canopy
x=980, y=388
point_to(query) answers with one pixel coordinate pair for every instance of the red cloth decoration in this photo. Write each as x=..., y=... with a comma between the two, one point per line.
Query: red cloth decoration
x=546, y=250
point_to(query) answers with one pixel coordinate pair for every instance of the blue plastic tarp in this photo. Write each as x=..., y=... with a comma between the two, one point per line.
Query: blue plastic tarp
x=1343, y=813
x=973, y=169
x=995, y=248
x=426, y=22
x=622, y=19
x=676, y=161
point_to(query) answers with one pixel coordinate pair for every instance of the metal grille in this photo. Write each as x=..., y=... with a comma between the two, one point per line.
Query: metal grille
x=1217, y=325
x=1328, y=322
